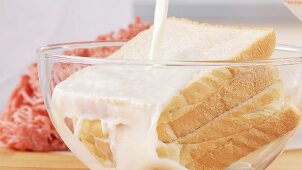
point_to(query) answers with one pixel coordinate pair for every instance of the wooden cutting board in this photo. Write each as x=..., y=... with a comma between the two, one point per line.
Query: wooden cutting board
x=12, y=160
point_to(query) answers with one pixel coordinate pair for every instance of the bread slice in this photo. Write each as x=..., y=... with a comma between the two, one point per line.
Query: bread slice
x=188, y=40
x=220, y=153
x=230, y=123
x=241, y=117
x=236, y=133
x=232, y=93
x=244, y=117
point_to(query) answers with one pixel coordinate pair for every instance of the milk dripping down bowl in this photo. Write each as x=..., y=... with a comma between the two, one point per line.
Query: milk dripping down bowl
x=108, y=111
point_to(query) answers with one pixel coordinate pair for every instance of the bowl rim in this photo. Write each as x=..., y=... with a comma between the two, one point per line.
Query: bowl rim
x=46, y=52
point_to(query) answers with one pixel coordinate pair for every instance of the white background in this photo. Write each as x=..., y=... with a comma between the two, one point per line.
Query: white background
x=27, y=24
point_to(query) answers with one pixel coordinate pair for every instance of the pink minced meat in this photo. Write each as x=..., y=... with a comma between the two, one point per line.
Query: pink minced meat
x=25, y=125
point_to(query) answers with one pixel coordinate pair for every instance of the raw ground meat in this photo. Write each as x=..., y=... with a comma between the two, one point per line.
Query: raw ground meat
x=25, y=125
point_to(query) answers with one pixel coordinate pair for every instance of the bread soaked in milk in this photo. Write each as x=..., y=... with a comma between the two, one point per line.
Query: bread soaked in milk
x=166, y=117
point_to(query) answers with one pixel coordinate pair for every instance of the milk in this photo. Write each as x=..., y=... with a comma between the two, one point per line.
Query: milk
x=160, y=17
x=130, y=97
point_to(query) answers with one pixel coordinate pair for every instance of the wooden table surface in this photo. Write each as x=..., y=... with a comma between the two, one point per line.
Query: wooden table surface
x=12, y=160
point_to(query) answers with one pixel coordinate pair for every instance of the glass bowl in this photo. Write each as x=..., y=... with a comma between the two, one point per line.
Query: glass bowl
x=110, y=112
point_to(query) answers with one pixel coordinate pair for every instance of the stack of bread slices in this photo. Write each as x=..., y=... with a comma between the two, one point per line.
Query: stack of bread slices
x=226, y=114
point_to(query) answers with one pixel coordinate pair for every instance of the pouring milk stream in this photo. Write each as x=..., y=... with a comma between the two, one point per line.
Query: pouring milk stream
x=160, y=17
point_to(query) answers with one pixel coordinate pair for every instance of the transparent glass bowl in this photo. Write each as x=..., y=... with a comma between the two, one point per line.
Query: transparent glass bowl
x=86, y=139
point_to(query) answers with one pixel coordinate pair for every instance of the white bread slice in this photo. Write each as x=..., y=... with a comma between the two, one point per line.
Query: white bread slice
x=232, y=93
x=268, y=125
x=220, y=153
x=239, y=118
x=230, y=123
x=242, y=118
x=188, y=40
